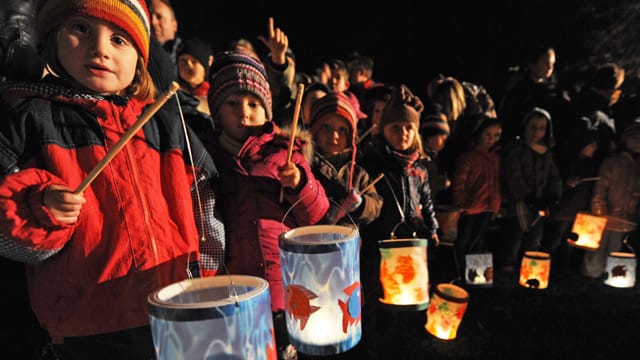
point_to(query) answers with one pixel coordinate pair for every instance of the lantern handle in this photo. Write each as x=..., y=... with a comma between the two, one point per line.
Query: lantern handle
x=353, y=222
x=626, y=244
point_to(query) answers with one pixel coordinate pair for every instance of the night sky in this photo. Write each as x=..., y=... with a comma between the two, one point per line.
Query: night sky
x=410, y=41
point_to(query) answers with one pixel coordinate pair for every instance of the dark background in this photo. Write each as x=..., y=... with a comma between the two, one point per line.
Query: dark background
x=413, y=41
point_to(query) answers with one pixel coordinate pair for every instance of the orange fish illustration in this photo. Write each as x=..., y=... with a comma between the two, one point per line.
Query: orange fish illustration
x=350, y=308
x=272, y=353
x=298, y=303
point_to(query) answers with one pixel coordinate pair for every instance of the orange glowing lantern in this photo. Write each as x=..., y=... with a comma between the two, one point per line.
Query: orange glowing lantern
x=589, y=229
x=404, y=273
x=534, y=270
x=446, y=309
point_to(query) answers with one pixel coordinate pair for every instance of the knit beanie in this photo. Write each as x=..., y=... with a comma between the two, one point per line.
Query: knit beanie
x=236, y=71
x=402, y=106
x=198, y=49
x=434, y=124
x=131, y=16
x=336, y=103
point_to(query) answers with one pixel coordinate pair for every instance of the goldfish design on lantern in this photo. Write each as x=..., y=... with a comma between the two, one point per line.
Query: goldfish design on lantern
x=351, y=308
x=404, y=273
x=298, y=303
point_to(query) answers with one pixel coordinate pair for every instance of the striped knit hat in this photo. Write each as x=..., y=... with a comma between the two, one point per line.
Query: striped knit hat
x=132, y=16
x=336, y=103
x=236, y=71
x=434, y=124
x=402, y=106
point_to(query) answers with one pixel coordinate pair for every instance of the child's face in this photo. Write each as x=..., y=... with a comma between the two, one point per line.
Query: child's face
x=191, y=70
x=399, y=135
x=240, y=115
x=98, y=55
x=333, y=136
x=489, y=137
x=535, y=130
x=436, y=142
x=339, y=81
x=376, y=114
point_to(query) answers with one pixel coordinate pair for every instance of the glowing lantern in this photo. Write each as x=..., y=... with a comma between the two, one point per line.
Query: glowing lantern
x=213, y=317
x=620, y=270
x=588, y=228
x=534, y=270
x=446, y=309
x=479, y=269
x=321, y=277
x=404, y=273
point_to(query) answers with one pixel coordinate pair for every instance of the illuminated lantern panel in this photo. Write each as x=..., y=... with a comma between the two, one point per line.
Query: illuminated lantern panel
x=620, y=270
x=404, y=273
x=589, y=229
x=479, y=269
x=321, y=278
x=446, y=309
x=213, y=317
x=534, y=270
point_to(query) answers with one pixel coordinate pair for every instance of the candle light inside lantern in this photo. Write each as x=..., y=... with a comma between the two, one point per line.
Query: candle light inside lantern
x=588, y=228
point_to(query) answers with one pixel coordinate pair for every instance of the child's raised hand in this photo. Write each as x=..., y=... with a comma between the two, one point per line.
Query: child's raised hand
x=63, y=204
x=289, y=175
x=277, y=42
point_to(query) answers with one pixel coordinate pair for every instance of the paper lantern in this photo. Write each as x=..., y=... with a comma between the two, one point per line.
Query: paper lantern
x=404, y=273
x=213, y=317
x=588, y=228
x=479, y=269
x=447, y=216
x=446, y=309
x=321, y=277
x=534, y=270
x=620, y=270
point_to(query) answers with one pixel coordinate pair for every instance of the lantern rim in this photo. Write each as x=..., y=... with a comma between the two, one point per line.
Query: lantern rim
x=463, y=295
x=622, y=254
x=538, y=255
x=400, y=243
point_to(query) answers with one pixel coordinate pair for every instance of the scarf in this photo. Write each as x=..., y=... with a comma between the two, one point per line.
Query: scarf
x=231, y=145
x=405, y=159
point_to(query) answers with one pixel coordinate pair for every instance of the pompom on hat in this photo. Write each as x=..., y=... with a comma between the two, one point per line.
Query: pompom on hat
x=132, y=16
x=237, y=71
x=402, y=106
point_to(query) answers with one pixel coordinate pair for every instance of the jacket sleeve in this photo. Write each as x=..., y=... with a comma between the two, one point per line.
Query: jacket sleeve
x=28, y=232
x=210, y=227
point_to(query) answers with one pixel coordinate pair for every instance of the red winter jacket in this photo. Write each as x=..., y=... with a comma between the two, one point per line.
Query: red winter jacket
x=136, y=232
x=253, y=215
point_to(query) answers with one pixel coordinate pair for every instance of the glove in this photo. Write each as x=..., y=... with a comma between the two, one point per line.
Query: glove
x=352, y=201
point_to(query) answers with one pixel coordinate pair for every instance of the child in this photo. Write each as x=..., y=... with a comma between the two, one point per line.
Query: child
x=407, y=210
x=94, y=256
x=616, y=194
x=333, y=125
x=476, y=188
x=532, y=185
x=258, y=186
x=434, y=132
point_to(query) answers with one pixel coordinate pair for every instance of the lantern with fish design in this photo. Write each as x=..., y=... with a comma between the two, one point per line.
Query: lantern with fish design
x=404, y=273
x=534, y=270
x=321, y=277
x=213, y=317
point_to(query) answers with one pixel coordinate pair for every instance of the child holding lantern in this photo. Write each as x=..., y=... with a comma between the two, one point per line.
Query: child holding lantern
x=94, y=254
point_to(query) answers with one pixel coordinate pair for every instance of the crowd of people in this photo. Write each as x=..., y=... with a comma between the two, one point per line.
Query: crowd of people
x=212, y=196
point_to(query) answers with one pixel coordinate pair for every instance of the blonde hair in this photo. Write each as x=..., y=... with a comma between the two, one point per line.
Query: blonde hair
x=141, y=87
x=417, y=139
x=449, y=93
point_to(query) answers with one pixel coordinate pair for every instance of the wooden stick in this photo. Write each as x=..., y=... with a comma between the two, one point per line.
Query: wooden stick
x=294, y=128
x=127, y=136
x=294, y=122
x=372, y=183
x=366, y=133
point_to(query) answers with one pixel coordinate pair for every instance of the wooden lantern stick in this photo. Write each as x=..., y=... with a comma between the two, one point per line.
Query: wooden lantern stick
x=378, y=178
x=294, y=128
x=148, y=113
